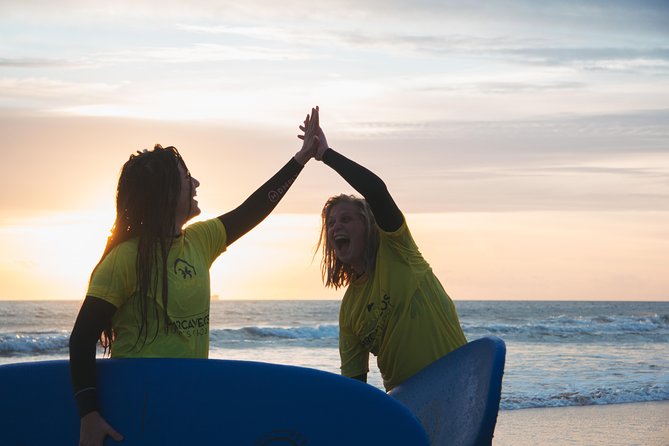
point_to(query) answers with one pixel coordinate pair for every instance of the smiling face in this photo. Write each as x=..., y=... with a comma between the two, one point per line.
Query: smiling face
x=187, y=205
x=346, y=234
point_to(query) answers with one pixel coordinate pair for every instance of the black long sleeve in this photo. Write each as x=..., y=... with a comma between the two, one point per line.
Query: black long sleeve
x=95, y=314
x=260, y=203
x=388, y=216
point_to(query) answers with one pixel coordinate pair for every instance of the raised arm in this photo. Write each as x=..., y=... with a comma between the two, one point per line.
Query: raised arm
x=388, y=216
x=262, y=202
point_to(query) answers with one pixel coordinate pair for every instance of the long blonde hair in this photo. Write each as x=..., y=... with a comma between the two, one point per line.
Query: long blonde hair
x=333, y=272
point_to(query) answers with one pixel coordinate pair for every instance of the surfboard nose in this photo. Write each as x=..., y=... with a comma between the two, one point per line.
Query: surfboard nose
x=457, y=397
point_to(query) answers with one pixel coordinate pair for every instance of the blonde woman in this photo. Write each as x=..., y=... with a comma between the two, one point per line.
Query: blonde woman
x=394, y=306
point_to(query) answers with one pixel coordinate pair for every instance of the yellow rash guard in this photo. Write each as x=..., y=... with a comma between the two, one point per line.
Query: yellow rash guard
x=188, y=263
x=400, y=313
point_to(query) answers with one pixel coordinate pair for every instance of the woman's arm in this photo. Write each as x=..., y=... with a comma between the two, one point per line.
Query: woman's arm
x=388, y=216
x=262, y=202
x=95, y=314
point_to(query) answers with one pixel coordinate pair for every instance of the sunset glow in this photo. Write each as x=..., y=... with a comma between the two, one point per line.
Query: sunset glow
x=525, y=142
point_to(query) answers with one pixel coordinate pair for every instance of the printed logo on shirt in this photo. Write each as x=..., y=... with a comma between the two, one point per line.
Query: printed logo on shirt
x=377, y=324
x=385, y=303
x=192, y=326
x=184, y=269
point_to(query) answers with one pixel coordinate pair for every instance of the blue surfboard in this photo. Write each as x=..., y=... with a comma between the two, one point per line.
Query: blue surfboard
x=457, y=397
x=197, y=401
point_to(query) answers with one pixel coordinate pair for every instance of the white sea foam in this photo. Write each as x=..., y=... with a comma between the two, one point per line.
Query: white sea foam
x=562, y=328
x=21, y=344
x=586, y=397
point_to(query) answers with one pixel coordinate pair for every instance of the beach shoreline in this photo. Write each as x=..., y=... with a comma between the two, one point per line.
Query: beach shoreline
x=644, y=423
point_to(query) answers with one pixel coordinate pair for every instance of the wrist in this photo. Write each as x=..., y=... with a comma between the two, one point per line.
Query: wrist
x=87, y=401
x=326, y=154
x=301, y=158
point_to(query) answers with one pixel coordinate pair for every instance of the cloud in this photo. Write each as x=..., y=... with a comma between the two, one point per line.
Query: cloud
x=535, y=188
x=200, y=52
x=499, y=87
x=521, y=50
x=535, y=48
x=470, y=167
x=621, y=59
x=650, y=124
x=48, y=89
x=25, y=62
x=643, y=15
x=268, y=33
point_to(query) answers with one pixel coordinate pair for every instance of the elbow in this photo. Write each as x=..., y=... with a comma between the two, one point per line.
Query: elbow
x=74, y=342
x=80, y=342
x=378, y=192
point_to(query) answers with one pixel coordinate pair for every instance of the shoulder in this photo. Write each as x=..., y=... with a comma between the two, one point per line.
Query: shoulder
x=401, y=236
x=209, y=225
x=397, y=252
x=209, y=230
x=397, y=232
x=209, y=235
x=114, y=277
x=124, y=251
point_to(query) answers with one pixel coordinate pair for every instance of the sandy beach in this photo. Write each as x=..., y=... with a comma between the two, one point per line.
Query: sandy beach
x=643, y=424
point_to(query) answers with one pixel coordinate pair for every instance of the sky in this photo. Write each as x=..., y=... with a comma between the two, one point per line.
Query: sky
x=526, y=142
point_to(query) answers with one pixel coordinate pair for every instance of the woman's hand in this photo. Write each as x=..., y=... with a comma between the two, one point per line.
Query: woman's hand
x=310, y=138
x=94, y=429
x=322, y=141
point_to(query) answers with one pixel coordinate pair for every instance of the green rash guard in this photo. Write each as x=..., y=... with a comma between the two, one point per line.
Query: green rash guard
x=401, y=314
x=189, y=260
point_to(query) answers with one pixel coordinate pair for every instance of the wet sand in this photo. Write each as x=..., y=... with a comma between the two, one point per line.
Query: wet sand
x=640, y=424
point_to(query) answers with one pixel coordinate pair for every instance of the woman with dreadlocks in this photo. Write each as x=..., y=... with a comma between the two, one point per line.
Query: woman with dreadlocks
x=149, y=294
x=394, y=306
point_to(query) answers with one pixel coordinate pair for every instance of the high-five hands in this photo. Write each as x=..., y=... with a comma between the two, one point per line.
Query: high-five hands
x=311, y=141
x=320, y=136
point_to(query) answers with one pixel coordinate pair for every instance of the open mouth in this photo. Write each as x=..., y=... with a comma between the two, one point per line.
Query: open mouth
x=341, y=242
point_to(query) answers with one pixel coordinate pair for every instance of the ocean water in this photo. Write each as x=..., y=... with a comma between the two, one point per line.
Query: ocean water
x=558, y=353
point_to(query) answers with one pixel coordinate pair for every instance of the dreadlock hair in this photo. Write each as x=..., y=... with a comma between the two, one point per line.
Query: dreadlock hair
x=146, y=200
x=333, y=272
